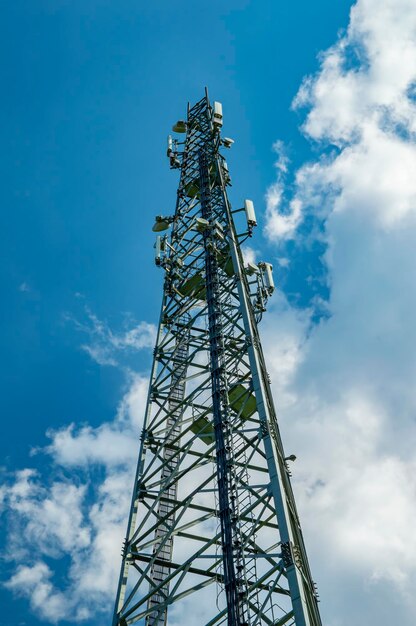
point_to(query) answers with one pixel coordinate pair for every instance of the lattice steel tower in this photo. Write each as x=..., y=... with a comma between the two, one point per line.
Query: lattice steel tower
x=213, y=533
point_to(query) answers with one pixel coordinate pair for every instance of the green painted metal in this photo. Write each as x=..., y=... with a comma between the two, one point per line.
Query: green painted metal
x=194, y=287
x=243, y=401
x=203, y=428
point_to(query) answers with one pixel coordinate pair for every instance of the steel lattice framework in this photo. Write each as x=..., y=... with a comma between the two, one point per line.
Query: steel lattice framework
x=213, y=533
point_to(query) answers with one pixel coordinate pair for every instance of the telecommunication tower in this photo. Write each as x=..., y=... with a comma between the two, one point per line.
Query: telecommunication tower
x=213, y=533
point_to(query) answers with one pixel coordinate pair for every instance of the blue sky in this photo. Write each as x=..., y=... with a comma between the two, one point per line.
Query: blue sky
x=90, y=91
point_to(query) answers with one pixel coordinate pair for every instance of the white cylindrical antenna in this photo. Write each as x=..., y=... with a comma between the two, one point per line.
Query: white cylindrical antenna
x=169, y=149
x=158, y=249
x=217, y=114
x=268, y=277
x=226, y=171
x=250, y=213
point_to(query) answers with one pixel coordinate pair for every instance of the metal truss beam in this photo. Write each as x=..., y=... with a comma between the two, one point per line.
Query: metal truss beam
x=213, y=527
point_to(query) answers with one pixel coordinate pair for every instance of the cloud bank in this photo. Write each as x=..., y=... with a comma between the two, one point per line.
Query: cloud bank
x=65, y=530
x=345, y=385
x=348, y=397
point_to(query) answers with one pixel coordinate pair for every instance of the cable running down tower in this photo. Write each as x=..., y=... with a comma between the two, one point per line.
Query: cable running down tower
x=213, y=534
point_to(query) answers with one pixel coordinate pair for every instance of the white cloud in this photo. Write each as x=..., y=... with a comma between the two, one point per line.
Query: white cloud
x=110, y=444
x=34, y=583
x=279, y=222
x=50, y=518
x=142, y=336
x=100, y=354
x=50, y=521
x=108, y=518
x=287, y=338
x=249, y=254
x=91, y=539
x=345, y=388
x=374, y=90
x=83, y=518
x=282, y=162
x=107, y=347
x=348, y=395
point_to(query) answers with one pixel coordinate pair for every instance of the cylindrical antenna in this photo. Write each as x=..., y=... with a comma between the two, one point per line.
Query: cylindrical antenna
x=250, y=213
